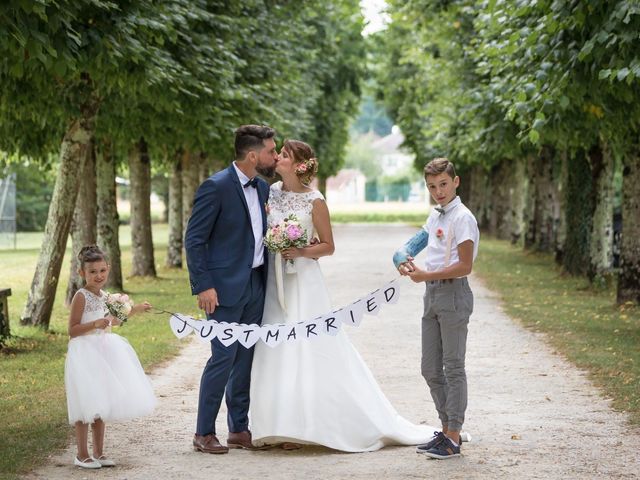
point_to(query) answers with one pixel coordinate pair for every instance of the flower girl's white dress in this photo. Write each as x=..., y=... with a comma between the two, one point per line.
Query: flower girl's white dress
x=316, y=391
x=103, y=376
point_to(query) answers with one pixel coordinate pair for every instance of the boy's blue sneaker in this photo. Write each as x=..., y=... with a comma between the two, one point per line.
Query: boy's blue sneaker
x=437, y=438
x=443, y=450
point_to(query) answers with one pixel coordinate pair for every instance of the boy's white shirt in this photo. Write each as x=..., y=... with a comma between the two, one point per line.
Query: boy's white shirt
x=457, y=221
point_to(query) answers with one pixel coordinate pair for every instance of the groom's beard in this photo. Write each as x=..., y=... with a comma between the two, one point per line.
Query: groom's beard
x=268, y=172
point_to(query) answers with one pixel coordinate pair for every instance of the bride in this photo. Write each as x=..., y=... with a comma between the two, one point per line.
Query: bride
x=316, y=392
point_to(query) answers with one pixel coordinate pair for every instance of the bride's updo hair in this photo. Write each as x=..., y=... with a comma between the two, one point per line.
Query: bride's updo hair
x=90, y=254
x=306, y=163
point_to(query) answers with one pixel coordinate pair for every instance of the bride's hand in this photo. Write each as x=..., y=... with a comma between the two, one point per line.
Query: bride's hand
x=291, y=253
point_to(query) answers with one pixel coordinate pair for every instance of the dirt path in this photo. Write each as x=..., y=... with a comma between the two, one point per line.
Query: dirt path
x=531, y=414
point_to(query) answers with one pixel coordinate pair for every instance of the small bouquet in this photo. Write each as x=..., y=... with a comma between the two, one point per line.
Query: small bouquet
x=119, y=306
x=286, y=234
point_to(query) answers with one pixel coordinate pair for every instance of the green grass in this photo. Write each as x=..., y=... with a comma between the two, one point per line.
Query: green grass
x=582, y=323
x=416, y=218
x=380, y=212
x=32, y=397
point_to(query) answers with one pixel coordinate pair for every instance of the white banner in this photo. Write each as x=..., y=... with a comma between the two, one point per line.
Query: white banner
x=272, y=335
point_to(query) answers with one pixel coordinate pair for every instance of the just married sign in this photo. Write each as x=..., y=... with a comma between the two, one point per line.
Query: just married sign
x=273, y=335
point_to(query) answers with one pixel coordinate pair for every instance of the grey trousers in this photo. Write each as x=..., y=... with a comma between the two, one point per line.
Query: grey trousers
x=447, y=307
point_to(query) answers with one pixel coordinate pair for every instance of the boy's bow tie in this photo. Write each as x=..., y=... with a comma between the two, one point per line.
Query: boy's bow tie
x=440, y=210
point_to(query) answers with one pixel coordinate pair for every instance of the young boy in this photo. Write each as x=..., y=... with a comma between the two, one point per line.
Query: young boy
x=448, y=302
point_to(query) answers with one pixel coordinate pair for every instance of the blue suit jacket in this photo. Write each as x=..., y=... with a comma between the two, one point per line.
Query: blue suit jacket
x=219, y=241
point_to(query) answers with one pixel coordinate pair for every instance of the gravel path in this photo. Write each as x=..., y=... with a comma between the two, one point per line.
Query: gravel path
x=531, y=413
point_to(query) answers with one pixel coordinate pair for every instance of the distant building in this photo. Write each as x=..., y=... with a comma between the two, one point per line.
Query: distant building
x=393, y=158
x=348, y=186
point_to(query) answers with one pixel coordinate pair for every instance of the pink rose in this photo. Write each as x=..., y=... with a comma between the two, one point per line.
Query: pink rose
x=439, y=233
x=293, y=232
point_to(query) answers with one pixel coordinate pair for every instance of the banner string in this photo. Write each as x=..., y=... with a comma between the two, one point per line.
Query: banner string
x=370, y=304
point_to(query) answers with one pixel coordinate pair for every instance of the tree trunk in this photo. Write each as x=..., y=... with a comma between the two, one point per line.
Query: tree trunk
x=529, y=217
x=141, y=239
x=108, y=219
x=601, y=242
x=500, y=208
x=629, y=277
x=204, y=168
x=174, y=248
x=322, y=185
x=578, y=202
x=478, y=195
x=5, y=328
x=83, y=224
x=561, y=235
x=464, y=190
x=190, y=177
x=546, y=210
x=73, y=151
x=517, y=201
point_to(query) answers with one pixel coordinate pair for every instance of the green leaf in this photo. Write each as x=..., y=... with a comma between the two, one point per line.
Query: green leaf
x=603, y=74
x=17, y=69
x=586, y=50
x=534, y=136
x=622, y=73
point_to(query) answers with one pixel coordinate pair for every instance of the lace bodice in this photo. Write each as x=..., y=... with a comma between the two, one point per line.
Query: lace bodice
x=283, y=203
x=94, y=306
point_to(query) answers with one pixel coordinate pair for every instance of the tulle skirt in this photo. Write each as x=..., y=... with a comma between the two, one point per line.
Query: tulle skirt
x=104, y=380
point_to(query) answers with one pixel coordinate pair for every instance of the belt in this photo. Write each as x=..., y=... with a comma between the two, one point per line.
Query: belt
x=445, y=281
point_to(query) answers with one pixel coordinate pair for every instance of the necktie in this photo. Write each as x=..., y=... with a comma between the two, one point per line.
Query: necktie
x=252, y=183
x=440, y=210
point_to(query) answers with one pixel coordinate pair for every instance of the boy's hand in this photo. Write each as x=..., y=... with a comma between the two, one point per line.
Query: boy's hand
x=416, y=274
x=405, y=268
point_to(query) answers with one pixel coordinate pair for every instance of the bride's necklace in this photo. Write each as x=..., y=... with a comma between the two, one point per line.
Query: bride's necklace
x=288, y=190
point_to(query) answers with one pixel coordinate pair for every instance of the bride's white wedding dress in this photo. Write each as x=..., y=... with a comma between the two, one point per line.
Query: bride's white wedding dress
x=316, y=391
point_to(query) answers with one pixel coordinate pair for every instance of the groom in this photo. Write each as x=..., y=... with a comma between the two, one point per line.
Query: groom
x=227, y=269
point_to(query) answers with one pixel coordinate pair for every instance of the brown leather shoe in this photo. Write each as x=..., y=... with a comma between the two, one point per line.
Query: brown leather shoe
x=242, y=440
x=208, y=444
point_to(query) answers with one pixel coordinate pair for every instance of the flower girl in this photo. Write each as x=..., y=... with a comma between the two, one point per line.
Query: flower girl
x=103, y=377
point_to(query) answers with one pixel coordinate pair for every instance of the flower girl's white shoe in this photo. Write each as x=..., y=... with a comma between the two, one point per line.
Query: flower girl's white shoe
x=104, y=461
x=86, y=463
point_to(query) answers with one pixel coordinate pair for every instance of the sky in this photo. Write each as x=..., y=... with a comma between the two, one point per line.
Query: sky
x=372, y=13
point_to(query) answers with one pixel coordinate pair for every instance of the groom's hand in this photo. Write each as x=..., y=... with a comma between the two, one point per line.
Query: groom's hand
x=208, y=300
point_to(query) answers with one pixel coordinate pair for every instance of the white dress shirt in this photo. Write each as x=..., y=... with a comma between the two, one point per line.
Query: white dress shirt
x=457, y=222
x=253, y=202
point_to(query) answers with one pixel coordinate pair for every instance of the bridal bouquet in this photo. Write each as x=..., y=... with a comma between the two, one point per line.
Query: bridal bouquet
x=286, y=234
x=119, y=306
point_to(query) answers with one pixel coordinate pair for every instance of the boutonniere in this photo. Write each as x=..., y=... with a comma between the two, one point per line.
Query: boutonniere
x=439, y=233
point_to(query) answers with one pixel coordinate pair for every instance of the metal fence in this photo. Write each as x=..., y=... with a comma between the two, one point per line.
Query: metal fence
x=8, y=211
